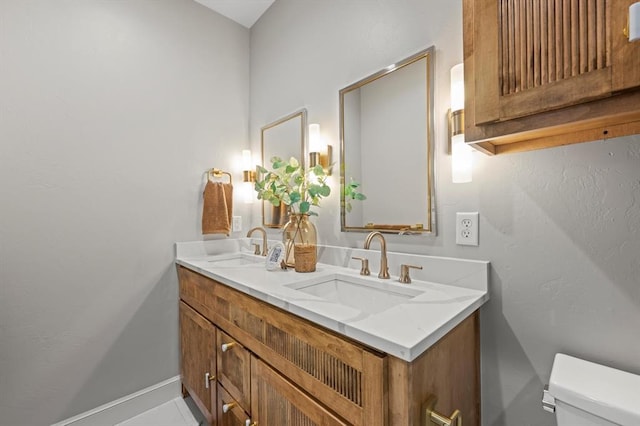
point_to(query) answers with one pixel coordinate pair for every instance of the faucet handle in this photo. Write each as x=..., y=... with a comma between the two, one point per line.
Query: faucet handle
x=364, y=267
x=256, y=250
x=404, y=273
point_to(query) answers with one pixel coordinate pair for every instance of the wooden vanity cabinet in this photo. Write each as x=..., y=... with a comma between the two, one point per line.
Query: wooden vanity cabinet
x=281, y=369
x=549, y=72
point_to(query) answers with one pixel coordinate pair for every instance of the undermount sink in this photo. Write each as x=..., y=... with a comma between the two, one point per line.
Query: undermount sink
x=365, y=295
x=235, y=260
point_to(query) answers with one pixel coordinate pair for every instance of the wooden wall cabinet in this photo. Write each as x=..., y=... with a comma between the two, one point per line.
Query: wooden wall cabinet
x=548, y=72
x=278, y=369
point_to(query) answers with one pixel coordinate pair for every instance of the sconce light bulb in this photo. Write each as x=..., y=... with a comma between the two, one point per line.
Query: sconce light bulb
x=461, y=160
x=315, y=142
x=634, y=22
x=246, y=159
x=457, y=87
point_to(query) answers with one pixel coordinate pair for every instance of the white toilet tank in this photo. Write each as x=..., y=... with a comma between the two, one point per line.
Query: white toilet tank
x=583, y=393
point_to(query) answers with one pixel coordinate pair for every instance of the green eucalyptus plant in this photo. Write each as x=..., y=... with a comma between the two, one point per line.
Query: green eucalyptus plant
x=289, y=183
x=351, y=193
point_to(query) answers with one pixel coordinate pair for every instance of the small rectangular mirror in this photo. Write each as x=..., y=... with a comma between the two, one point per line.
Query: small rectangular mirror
x=284, y=138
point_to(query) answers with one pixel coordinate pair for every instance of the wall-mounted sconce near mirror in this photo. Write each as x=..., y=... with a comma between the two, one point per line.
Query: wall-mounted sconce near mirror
x=248, y=176
x=319, y=151
x=386, y=135
x=461, y=153
x=248, y=167
x=284, y=138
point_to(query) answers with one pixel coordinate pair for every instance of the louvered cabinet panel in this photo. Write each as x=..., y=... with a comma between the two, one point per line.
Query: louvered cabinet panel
x=548, y=71
x=197, y=359
x=276, y=401
x=546, y=54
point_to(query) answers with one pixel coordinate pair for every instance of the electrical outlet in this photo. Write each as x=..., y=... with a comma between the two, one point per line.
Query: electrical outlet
x=467, y=229
x=236, y=226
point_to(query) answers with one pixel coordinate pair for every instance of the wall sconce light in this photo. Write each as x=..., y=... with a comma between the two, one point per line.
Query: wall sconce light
x=461, y=160
x=633, y=24
x=319, y=152
x=248, y=174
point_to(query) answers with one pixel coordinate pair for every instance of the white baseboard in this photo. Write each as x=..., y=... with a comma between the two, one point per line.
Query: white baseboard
x=129, y=406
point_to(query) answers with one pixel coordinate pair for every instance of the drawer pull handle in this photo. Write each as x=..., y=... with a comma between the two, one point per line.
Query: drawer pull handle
x=432, y=417
x=226, y=346
x=248, y=423
x=208, y=378
x=227, y=407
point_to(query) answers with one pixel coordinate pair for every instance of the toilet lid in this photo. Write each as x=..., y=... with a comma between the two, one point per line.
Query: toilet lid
x=603, y=391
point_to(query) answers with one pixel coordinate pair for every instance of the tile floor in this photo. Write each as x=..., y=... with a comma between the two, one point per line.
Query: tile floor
x=177, y=412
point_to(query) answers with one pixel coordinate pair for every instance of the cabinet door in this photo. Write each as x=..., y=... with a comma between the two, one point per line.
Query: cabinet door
x=197, y=359
x=229, y=412
x=276, y=401
x=234, y=369
x=535, y=56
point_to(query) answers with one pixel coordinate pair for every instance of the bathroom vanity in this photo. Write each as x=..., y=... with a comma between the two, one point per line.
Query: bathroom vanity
x=331, y=347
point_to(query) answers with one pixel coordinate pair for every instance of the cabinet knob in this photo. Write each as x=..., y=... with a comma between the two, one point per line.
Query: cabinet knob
x=248, y=422
x=226, y=346
x=228, y=406
x=208, y=377
x=432, y=417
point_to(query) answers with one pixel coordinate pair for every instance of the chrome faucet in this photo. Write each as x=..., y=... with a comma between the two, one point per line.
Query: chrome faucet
x=264, y=240
x=384, y=268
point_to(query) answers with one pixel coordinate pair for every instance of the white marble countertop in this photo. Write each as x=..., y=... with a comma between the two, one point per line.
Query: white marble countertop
x=405, y=330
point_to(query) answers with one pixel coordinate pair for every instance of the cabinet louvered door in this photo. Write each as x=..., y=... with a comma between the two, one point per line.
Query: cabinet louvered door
x=276, y=401
x=197, y=359
x=540, y=55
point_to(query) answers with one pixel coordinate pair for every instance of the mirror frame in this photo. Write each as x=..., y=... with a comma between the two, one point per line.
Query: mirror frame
x=429, y=224
x=302, y=113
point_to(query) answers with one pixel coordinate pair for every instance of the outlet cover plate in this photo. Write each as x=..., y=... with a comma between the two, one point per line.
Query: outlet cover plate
x=236, y=226
x=467, y=228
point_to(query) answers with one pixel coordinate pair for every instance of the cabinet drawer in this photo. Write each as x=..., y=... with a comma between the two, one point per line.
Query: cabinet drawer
x=234, y=369
x=338, y=372
x=230, y=413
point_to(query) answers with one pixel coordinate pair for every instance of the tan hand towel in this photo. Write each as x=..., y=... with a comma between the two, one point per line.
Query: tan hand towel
x=217, y=210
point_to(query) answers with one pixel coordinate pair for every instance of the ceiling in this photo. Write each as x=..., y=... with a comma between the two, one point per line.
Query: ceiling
x=244, y=12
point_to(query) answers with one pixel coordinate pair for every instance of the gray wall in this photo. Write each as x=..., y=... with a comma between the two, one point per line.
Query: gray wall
x=110, y=111
x=560, y=226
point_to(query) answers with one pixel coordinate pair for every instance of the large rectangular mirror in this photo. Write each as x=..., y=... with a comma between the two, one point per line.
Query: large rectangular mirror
x=386, y=133
x=284, y=138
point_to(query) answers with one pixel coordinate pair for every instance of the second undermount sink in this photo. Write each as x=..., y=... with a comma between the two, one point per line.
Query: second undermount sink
x=235, y=260
x=365, y=295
